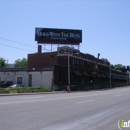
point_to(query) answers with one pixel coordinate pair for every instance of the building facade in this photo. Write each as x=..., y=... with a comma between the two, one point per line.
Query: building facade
x=82, y=71
x=66, y=66
x=27, y=77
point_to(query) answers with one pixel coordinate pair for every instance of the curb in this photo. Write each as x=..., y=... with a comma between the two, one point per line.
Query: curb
x=57, y=92
x=15, y=94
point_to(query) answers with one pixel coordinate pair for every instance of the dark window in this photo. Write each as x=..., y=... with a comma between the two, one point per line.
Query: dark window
x=82, y=63
x=30, y=80
x=64, y=78
x=73, y=61
x=19, y=80
x=77, y=62
x=59, y=77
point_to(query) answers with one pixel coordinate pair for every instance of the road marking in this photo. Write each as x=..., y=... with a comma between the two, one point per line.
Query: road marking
x=85, y=101
x=26, y=98
x=118, y=95
x=63, y=98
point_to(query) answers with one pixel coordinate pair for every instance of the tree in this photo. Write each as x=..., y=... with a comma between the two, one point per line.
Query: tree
x=124, y=69
x=119, y=67
x=2, y=63
x=21, y=63
x=112, y=67
x=105, y=60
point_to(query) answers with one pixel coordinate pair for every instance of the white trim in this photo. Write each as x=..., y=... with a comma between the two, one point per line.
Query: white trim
x=0, y=78
x=19, y=75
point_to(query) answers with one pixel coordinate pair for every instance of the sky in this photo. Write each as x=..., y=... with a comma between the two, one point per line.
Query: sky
x=105, y=26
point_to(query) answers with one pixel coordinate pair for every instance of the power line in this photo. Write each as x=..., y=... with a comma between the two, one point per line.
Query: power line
x=16, y=42
x=19, y=43
x=15, y=47
x=22, y=44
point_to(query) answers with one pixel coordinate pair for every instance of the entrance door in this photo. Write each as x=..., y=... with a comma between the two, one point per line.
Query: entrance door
x=30, y=80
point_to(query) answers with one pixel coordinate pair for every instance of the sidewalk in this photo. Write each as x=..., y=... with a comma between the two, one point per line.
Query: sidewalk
x=35, y=93
x=56, y=92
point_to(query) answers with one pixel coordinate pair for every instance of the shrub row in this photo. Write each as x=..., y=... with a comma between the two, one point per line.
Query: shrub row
x=24, y=90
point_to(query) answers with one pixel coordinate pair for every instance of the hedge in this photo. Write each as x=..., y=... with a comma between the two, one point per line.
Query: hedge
x=24, y=90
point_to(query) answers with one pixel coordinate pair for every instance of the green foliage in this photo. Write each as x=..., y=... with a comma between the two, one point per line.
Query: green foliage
x=2, y=63
x=112, y=67
x=4, y=91
x=117, y=67
x=105, y=60
x=21, y=63
x=25, y=90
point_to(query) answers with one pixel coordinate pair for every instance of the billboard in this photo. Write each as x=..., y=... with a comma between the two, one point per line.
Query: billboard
x=58, y=36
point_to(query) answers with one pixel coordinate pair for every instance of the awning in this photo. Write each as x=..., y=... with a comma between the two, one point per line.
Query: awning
x=118, y=77
x=77, y=73
x=108, y=76
x=85, y=73
x=112, y=76
x=125, y=78
x=98, y=75
x=103, y=76
x=121, y=77
x=115, y=77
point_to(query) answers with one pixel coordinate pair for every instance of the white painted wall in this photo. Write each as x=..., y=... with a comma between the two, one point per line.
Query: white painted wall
x=12, y=76
x=36, y=78
x=47, y=78
x=42, y=79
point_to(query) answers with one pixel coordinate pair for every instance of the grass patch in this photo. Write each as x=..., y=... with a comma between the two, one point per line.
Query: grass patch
x=24, y=90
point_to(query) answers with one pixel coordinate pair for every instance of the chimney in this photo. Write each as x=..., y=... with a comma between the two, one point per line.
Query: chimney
x=39, y=49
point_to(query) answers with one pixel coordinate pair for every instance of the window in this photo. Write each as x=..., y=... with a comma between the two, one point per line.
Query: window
x=59, y=77
x=0, y=79
x=83, y=63
x=77, y=62
x=64, y=78
x=19, y=80
x=73, y=61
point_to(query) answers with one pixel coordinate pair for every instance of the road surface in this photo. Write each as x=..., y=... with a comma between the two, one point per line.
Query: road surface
x=90, y=110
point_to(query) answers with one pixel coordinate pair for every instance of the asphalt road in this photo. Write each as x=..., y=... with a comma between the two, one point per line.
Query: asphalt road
x=92, y=110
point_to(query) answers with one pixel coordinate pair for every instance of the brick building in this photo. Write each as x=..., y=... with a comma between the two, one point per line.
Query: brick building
x=70, y=66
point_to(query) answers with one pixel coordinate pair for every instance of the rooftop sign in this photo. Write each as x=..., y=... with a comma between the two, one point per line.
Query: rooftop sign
x=58, y=36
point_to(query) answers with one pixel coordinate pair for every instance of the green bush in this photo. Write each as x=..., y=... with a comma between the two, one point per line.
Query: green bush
x=4, y=91
x=24, y=90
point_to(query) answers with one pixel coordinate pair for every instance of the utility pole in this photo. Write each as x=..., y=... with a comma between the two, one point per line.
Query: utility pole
x=97, y=61
x=68, y=70
x=110, y=74
x=7, y=63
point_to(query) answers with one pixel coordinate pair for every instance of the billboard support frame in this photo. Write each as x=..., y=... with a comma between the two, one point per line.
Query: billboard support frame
x=51, y=48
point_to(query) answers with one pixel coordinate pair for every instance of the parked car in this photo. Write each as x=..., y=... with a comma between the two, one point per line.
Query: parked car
x=1, y=82
x=6, y=84
x=16, y=86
